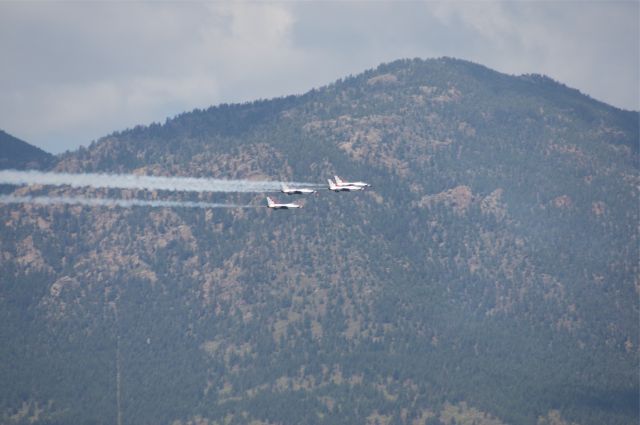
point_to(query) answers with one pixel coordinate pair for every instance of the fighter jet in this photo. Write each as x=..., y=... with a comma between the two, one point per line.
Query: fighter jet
x=334, y=187
x=295, y=191
x=340, y=182
x=276, y=206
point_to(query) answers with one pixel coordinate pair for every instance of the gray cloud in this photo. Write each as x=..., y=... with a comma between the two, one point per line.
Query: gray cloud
x=73, y=72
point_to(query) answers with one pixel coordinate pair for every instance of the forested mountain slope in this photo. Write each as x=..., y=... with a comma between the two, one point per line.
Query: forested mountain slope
x=489, y=276
x=18, y=154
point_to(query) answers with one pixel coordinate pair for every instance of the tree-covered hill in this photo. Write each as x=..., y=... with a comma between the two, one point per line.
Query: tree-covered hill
x=18, y=154
x=489, y=276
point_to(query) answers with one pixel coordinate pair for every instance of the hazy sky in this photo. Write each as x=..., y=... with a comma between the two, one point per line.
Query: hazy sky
x=71, y=72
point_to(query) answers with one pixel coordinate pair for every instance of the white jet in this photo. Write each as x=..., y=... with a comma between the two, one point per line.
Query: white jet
x=276, y=206
x=296, y=191
x=336, y=188
x=340, y=182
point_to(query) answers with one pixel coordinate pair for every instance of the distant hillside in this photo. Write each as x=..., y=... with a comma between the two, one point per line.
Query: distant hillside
x=489, y=276
x=20, y=155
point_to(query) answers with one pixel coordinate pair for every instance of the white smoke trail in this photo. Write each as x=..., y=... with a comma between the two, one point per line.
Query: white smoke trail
x=112, y=202
x=132, y=181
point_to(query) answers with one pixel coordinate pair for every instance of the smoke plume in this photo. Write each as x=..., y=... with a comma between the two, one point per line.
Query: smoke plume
x=112, y=202
x=132, y=181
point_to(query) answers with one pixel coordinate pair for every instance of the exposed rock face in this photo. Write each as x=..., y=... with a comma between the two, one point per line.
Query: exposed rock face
x=459, y=199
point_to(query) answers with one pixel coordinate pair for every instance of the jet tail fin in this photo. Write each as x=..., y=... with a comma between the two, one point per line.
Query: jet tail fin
x=270, y=202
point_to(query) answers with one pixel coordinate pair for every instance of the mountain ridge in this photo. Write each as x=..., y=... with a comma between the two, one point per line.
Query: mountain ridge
x=534, y=81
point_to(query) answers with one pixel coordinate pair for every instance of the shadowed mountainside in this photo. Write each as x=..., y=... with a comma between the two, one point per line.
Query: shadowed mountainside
x=20, y=155
x=489, y=275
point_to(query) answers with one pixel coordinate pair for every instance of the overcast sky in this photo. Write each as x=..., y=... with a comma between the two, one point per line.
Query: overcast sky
x=72, y=72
